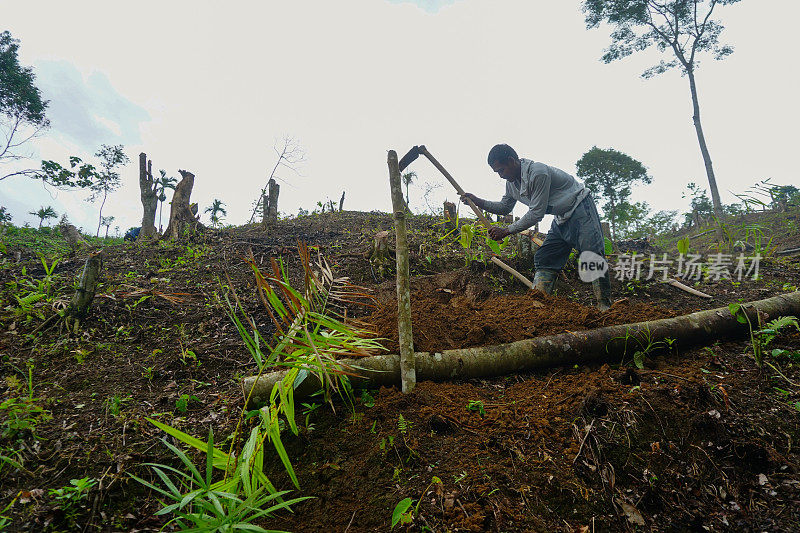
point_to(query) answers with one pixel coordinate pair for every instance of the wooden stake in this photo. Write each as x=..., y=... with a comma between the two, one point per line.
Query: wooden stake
x=408, y=375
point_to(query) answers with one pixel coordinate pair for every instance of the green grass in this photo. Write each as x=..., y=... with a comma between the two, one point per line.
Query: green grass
x=47, y=240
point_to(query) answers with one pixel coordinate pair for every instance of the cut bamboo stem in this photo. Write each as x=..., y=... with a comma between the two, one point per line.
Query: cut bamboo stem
x=408, y=376
x=581, y=347
x=681, y=286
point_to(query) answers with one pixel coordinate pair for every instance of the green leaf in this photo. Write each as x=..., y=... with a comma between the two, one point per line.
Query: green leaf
x=609, y=246
x=399, y=515
x=493, y=245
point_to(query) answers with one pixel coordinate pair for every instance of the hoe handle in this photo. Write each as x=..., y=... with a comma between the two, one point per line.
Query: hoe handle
x=424, y=151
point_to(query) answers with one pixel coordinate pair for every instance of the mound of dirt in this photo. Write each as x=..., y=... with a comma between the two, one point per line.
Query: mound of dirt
x=449, y=312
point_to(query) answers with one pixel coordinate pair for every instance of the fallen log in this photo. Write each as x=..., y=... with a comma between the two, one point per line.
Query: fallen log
x=581, y=347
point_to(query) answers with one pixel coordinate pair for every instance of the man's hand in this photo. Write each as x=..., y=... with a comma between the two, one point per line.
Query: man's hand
x=497, y=233
x=475, y=200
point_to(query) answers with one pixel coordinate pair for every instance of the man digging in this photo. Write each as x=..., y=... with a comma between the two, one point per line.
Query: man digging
x=548, y=190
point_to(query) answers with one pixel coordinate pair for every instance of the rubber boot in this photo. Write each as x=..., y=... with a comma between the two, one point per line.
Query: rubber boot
x=545, y=280
x=602, y=292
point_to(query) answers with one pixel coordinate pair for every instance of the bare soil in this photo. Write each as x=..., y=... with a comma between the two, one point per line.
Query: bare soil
x=696, y=439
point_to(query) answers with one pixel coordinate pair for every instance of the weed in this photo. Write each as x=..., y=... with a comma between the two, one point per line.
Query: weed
x=646, y=345
x=182, y=403
x=476, y=406
x=403, y=513
x=147, y=373
x=761, y=336
x=367, y=400
x=200, y=503
x=22, y=412
x=21, y=415
x=403, y=425
x=70, y=496
x=115, y=403
x=309, y=408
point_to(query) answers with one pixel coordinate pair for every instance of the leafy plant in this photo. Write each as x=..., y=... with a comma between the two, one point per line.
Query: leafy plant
x=199, y=503
x=768, y=333
x=71, y=495
x=403, y=514
x=114, y=404
x=645, y=344
x=20, y=415
x=683, y=246
x=476, y=406
x=22, y=412
x=182, y=403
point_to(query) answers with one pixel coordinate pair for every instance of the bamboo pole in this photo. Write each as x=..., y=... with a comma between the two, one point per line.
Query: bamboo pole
x=408, y=375
x=580, y=347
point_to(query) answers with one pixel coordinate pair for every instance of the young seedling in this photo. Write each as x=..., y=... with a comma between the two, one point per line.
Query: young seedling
x=403, y=514
x=477, y=406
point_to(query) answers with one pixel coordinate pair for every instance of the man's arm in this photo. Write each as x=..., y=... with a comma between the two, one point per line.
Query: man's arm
x=503, y=207
x=537, y=206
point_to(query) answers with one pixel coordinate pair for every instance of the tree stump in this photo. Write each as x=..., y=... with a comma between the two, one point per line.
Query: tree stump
x=525, y=249
x=149, y=196
x=270, y=207
x=341, y=202
x=379, y=256
x=181, y=217
x=78, y=308
x=72, y=235
x=450, y=217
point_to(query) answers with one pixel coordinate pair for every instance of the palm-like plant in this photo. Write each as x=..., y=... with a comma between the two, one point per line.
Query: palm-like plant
x=163, y=183
x=408, y=179
x=44, y=213
x=216, y=210
x=107, y=221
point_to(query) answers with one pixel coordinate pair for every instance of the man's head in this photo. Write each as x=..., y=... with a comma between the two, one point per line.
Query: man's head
x=505, y=161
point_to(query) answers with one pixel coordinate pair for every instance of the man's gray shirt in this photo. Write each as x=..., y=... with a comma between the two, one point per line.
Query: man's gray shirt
x=545, y=190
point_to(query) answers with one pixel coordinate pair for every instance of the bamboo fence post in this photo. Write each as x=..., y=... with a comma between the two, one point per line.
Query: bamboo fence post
x=408, y=374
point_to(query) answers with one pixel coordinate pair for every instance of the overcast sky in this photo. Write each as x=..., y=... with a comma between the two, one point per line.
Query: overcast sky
x=210, y=89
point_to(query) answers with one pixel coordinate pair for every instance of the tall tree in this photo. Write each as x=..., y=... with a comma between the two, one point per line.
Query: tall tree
x=44, y=213
x=22, y=108
x=108, y=179
x=610, y=174
x=163, y=183
x=216, y=210
x=682, y=28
